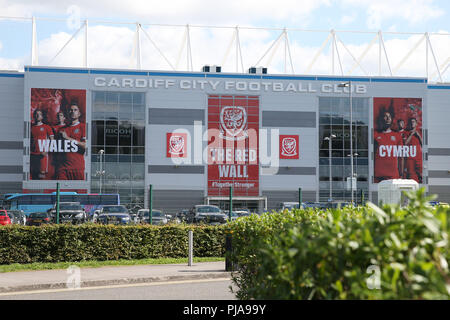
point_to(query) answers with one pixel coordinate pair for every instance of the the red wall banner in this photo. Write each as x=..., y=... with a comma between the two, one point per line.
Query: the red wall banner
x=289, y=147
x=176, y=145
x=58, y=134
x=397, y=138
x=233, y=158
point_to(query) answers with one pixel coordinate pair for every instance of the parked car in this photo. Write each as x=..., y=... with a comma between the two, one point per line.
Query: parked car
x=158, y=217
x=206, y=214
x=173, y=218
x=19, y=216
x=38, y=218
x=183, y=215
x=4, y=218
x=115, y=214
x=69, y=212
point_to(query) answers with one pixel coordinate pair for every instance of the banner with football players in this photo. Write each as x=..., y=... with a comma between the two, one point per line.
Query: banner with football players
x=58, y=134
x=398, y=138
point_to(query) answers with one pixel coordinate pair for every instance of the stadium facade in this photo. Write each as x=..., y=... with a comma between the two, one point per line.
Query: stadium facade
x=192, y=135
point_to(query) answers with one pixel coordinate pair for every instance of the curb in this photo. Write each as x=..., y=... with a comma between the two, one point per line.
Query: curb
x=100, y=283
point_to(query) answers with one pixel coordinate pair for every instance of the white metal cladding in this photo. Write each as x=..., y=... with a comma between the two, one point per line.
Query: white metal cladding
x=11, y=131
x=438, y=142
x=435, y=117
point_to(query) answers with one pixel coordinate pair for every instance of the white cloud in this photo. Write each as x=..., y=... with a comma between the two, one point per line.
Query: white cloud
x=411, y=11
x=173, y=11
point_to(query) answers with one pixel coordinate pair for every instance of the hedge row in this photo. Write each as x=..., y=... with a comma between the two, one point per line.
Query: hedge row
x=353, y=253
x=70, y=243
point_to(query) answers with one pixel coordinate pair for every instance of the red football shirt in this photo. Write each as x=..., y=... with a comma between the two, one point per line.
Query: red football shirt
x=39, y=133
x=75, y=160
x=387, y=154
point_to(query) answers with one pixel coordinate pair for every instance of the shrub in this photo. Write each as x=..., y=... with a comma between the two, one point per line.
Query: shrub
x=72, y=243
x=352, y=253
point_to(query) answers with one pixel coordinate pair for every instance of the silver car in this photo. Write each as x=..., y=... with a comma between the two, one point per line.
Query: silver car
x=158, y=217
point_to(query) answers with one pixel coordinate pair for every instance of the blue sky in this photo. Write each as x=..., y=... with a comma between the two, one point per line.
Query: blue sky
x=354, y=15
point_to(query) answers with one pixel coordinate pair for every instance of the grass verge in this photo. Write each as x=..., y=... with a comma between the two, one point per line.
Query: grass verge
x=97, y=264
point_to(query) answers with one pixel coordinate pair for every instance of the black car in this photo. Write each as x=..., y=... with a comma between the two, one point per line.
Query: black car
x=69, y=212
x=17, y=217
x=38, y=218
x=207, y=214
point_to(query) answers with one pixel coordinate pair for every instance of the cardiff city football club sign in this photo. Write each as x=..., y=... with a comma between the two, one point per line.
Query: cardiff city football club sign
x=176, y=145
x=233, y=127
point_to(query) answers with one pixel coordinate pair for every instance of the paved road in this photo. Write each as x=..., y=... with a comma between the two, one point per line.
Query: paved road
x=205, y=289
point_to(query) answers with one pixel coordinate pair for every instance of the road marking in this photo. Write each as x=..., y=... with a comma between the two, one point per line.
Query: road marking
x=113, y=286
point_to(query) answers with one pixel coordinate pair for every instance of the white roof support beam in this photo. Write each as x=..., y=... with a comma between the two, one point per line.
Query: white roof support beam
x=380, y=35
x=319, y=52
x=156, y=47
x=434, y=56
x=361, y=57
x=275, y=44
x=65, y=45
x=85, y=56
x=34, y=44
x=409, y=53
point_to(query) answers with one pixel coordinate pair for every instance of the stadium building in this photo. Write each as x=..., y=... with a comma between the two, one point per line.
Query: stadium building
x=192, y=135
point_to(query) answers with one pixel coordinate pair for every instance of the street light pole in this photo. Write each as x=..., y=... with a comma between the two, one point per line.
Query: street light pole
x=329, y=163
x=101, y=172
x=349, y=85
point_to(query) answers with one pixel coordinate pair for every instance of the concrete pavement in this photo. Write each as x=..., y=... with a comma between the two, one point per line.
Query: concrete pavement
x=109, y=275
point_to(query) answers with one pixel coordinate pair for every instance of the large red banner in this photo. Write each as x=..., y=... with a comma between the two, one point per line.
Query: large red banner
x=233, y=159
x=58, y=134
x=397, y=138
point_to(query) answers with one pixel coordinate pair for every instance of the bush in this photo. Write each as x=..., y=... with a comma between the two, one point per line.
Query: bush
x=73, y=243
x=352, y=253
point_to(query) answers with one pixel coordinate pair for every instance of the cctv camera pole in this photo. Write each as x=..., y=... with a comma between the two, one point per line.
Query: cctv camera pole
x=57, y=203
x=150, y=204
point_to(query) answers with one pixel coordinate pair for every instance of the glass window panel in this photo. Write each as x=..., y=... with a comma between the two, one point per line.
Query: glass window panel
x=125, y=97
x=138, y=158
x=337, y=173
x=112, y=98
x=111, y=133
x=137, y=171
x=98, y=96
x=139, y=116
x=325, y=104
x=125, y=108
x=125, y=133
x=138, y=108
x=98, y=132
x=138, y=134
x=138, y=150
x=111, y=150
x=138, y=98
x=111, y=116
x=98, y=115
x=323, y=153
x=324, y=119
x=124, y=150
x=124, y=158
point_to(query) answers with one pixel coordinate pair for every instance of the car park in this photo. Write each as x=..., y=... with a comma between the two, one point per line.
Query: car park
x=39, y=218
x=207, y=214
x=183, y=215
x=158, y=217
x=4, y=218
x=113, y=214
x=69, y=212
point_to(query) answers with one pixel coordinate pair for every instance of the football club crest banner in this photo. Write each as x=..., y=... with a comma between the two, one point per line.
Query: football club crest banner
x=233, y=159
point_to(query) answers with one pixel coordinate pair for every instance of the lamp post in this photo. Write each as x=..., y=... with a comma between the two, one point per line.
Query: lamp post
x=101, y=172
x=329, y=139
x=349, y=85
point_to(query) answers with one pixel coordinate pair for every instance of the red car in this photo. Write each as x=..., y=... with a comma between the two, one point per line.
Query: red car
x=4, y=218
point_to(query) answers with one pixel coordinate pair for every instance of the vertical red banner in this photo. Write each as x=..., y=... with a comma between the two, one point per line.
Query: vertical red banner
x=233, y=158
x=398, y=139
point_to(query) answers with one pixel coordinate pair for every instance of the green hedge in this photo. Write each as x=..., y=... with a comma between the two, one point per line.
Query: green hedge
x=70, y=243
x=340, y=254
